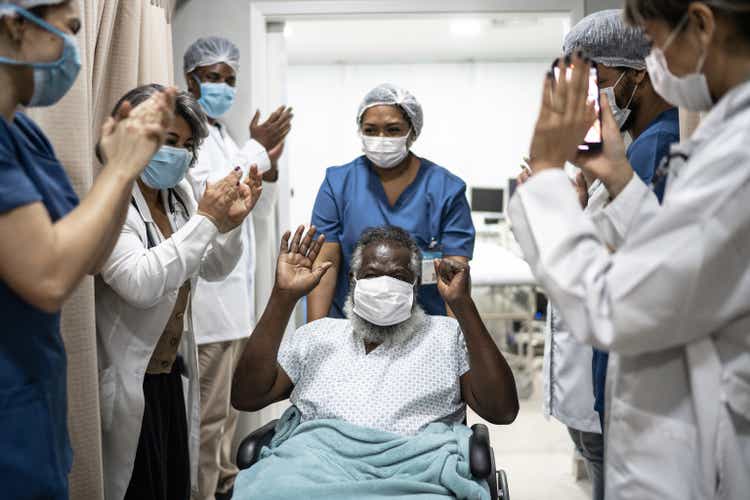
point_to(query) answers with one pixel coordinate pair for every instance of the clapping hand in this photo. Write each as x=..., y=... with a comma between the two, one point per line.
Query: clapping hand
x=248, y=193
x=295, y=274
x=454, y=281
x=274, y=130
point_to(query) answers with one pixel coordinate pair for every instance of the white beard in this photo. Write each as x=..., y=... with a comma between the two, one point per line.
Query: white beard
x=375, y=334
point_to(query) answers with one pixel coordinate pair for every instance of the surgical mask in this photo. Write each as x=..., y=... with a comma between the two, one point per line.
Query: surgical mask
x=621, y=114
x=216, y=98
x=383, y=301
x=167, y=167
x=52, y=80
x=386, y=152
x=690, y=91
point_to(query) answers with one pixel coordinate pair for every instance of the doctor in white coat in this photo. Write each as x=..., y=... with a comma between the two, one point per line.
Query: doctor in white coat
x=147, y=354
x=672, y=303
x=224, y=311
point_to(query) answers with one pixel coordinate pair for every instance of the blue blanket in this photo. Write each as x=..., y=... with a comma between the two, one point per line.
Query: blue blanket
x=332, y=459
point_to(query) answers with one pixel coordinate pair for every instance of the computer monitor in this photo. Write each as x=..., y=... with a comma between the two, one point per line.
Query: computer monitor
x=487, y=200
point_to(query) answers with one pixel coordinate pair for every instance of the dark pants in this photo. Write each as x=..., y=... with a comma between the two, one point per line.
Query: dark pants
x=162, y=463
x=591, y=447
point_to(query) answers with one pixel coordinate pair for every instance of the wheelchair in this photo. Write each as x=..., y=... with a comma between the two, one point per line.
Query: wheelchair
x=481, y=456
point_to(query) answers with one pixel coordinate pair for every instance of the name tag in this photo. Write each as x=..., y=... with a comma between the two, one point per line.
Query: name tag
x=429, y=276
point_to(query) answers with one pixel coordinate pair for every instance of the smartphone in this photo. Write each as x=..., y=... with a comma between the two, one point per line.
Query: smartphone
x=593, y=139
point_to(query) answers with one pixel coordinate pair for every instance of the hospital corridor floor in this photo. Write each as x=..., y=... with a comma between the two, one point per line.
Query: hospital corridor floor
x=537, y=454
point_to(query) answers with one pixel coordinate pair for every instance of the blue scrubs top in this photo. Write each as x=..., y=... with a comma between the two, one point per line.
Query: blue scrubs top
x=35, y=454
x=433, y=209
x=645, y=155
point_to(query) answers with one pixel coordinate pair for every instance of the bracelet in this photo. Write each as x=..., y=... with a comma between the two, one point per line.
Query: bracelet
x=213, y=221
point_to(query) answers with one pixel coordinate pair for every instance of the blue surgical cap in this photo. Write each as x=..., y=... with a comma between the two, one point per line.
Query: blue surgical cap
x=211, y=50
x=606, y=39
x=390, y=95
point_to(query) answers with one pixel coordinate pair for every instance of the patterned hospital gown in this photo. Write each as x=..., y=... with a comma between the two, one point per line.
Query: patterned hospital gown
x=398, y=388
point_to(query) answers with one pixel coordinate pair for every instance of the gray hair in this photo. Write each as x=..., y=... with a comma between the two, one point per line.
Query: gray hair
x=185, y=106
x=388, y=234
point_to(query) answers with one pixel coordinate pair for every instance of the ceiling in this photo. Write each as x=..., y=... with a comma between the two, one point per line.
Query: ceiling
x=426, y=39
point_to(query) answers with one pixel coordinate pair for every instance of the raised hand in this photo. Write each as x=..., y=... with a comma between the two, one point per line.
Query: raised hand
x=131, y=138
x=565, y=116
x=295, y=275
x=454, y=281
x=610, y=164
x=274, y=130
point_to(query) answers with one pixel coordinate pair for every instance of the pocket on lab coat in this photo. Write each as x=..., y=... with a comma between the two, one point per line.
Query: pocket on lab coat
x=650, y=456
x=107, y=392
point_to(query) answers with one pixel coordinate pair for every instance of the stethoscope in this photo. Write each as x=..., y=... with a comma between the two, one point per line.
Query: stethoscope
x=171, y=197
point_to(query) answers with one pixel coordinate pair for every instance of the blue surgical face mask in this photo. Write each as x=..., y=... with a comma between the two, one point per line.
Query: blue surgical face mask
x=52, y=80
x=216, y=98
x=167, y=167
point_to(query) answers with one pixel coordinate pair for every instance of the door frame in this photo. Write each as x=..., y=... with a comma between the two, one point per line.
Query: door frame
x=262, y=12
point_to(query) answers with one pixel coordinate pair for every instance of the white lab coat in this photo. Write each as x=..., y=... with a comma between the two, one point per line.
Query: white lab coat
x=225, y=310
x=672, y=306
x=135, y=295
x=566, y=372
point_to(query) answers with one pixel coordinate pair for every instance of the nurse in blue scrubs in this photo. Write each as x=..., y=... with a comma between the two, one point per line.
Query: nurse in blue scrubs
x=389, y=185
x=49, y=240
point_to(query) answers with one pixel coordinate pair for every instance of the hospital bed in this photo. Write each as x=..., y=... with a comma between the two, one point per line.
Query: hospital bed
x=505, y=291
x=481, y=456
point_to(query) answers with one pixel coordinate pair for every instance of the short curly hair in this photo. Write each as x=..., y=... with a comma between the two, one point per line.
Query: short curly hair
x=388, y=234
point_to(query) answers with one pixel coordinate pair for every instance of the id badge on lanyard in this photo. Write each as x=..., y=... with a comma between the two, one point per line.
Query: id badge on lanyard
x=434, y=251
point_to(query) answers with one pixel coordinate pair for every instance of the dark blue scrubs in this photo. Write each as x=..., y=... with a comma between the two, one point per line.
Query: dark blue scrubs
x=433, y=209
x=35, y=453
x=645, y=155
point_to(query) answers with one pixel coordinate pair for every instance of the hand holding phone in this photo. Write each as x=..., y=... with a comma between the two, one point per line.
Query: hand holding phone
x=593, y=139
x=566, y=116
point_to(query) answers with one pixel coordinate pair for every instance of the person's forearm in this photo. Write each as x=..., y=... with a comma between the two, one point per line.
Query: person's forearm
x=79, y=236
x=257, y=370
x=320, y=299
x=493, y=386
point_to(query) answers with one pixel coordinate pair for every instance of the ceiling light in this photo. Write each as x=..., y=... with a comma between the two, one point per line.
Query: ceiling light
x=466, y=27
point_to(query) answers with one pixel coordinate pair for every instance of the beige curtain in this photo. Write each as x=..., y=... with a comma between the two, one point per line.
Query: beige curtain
x=123, y=43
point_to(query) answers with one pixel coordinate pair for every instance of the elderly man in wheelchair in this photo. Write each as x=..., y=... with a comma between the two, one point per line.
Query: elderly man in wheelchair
x=379, y=399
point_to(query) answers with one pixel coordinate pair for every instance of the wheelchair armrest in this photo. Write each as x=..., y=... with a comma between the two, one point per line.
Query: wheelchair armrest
x=249, y=449
x=480, y=452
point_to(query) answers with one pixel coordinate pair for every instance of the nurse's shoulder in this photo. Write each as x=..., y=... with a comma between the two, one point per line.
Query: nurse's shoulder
x=32, y=135
x=439, y=178
x=339, y=177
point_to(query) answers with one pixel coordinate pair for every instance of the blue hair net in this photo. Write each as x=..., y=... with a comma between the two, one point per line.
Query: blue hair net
x=605, y=38
x=390, y=95
x=211, y=50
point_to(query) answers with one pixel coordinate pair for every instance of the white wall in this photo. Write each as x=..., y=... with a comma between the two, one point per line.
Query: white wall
x=478, y=118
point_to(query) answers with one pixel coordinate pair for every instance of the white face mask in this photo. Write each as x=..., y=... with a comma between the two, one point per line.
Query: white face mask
x=386, y=152
x=689, y=91
x=621, y=114
x=383, y=301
